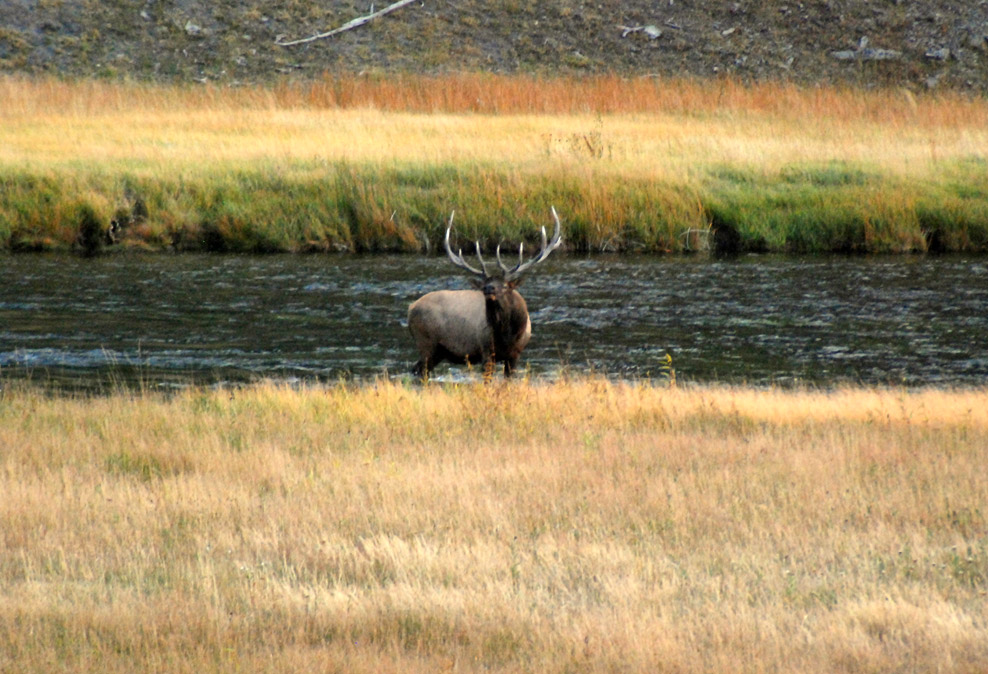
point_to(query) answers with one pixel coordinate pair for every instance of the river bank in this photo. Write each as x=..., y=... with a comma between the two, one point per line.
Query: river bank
x=366, y=165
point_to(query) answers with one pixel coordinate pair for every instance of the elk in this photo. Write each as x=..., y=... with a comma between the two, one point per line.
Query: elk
x=487, y=325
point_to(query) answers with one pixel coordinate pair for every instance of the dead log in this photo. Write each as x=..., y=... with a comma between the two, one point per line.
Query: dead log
x=355, y=23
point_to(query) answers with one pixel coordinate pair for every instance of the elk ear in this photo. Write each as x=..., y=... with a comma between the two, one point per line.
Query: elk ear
x=514, y=283
x=477, y=283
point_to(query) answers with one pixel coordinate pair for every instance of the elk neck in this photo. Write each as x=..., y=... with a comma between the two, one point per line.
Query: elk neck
x=507, y=313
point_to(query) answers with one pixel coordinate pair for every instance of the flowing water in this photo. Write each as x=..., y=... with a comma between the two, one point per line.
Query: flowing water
x=171, y=320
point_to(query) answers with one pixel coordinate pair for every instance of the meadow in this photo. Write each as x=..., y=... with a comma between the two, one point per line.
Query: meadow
x=583, y=525
x=371, y=163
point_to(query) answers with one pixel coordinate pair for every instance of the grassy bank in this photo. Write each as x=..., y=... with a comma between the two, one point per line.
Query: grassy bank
x=369, y=164
x=579, y=526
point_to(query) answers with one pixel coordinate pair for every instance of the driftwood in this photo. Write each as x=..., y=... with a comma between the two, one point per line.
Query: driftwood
x=651, y=30
x=359, y=21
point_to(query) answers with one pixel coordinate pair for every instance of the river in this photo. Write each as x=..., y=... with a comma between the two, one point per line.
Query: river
x=164, y=320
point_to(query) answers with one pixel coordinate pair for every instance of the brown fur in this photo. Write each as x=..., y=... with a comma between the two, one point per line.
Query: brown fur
x=470, y=326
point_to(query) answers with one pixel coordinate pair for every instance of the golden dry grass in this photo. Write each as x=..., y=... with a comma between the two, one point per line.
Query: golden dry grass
x=577, y=526
x=647, y=127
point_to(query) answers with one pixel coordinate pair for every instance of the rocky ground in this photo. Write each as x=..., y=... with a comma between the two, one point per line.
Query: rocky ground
x=926, y=44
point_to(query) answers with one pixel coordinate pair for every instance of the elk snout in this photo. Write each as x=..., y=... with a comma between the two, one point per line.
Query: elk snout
x=490, y=291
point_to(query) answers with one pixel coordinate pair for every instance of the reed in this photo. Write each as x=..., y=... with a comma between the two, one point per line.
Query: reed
x=378, y=163
x=582, y=525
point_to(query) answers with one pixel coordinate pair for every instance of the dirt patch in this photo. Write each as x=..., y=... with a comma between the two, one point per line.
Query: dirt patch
x=920, y=45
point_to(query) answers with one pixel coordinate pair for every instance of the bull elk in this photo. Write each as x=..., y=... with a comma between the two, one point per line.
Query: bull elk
x=487, y=325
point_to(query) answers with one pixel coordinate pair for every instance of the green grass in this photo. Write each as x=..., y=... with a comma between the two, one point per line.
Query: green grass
x=371, y=208
x=343, y=206
x=849, y=209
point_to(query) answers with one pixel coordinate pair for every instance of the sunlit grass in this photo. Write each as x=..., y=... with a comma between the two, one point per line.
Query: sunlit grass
x=631, y=164
x=666, y=133
x=577, y=526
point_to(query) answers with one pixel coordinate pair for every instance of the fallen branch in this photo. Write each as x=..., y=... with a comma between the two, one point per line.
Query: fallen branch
x=652, y=31
x=359, y=21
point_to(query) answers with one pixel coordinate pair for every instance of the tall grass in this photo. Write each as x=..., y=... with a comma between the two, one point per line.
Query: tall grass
x=377, y=163
x=578, y=526
x=465, y=93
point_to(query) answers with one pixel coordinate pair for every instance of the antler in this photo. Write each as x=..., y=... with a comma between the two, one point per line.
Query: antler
x=547, y=247
x=457, y=258
x=515, y=272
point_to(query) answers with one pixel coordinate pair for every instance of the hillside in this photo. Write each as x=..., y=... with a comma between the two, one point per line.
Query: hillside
x=932, y=44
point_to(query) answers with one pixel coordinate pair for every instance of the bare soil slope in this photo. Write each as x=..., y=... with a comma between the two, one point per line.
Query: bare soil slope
x=928, y=44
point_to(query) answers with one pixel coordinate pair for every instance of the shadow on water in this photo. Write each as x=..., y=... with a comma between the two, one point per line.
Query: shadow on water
x=164, y=320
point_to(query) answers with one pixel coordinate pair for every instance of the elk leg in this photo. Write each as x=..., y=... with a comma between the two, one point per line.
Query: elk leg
x=427, y=363
x=421, y=369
